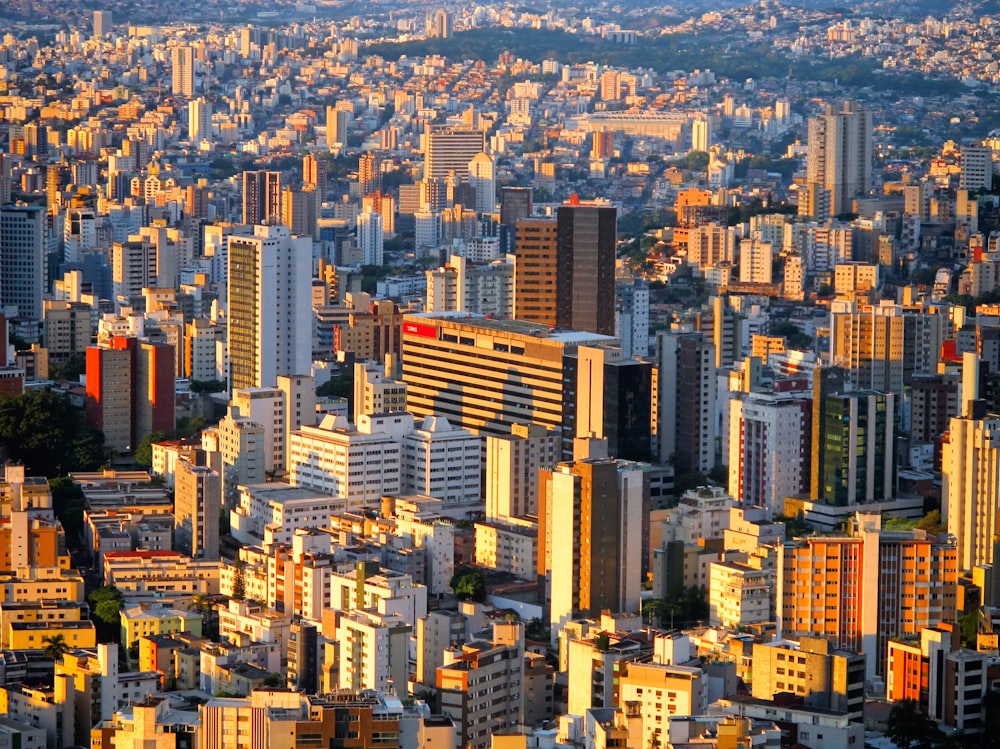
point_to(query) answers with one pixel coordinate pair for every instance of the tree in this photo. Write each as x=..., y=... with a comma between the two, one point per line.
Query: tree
x=44, y=431
x=931, y=522
x=108, y=602
x=469, y=585
x=144, y=452
x=239, y=583
x=55, y=647
x=601, y=643
x=908, y=728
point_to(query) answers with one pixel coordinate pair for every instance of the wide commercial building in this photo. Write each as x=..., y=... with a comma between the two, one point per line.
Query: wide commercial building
x=486, y=375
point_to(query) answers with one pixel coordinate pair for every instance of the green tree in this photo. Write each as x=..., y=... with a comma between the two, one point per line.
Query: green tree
x=931, y=522
x=44, y=431
x=108, y=602
x=55, y=647
x=69, y=504
x=969, y=625
x=469, y=585
x=908, y=728
x=601, y=643
x=239, y=583
x=144, y=452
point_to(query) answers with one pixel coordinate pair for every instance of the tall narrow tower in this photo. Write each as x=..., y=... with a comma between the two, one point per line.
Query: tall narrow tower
x=585, y=267
x=839, y=156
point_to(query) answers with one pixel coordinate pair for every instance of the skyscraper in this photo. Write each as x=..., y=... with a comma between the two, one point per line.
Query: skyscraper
x=839, y=156
x=970, y=488
x=22, y=259
x=585, y=267
x=535, y=270
x=182, y=62
x=270, y=317
x=685, y=416
x=197, y=504
x=977, y=168
x=371, y=238
x=102, y=23
x=261, y=197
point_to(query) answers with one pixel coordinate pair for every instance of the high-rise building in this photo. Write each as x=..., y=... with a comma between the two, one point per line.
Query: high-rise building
x=298, y=210
x=768, y=448
x=270, y=313
x=444, y=462
x=369, y=174
x=337, y=123
x=536, y=248
x=867, y=587
x=977, y=168
x=585, y=267
x=375, y=392
x=614, y=400
x=241, y=443
x=182, y=64
x=22, y=259
x=482, y=177
x=839, y=156
x=199, y=120
x=102, y=23
x=463, y=367
x=371, y=238
x=197, y=505
x=853, y=447
x=261, y=197
x=515, y=204
x=590, y=515
x=512, y=464
x=970, y=488
x=756, y=260
x=130, y=390
x=450, y=150
x=685, y=418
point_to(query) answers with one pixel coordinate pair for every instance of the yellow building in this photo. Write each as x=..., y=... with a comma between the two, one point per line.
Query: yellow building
x=655, y=692
x=144, y=621
x=36, y=635
x=52, y=614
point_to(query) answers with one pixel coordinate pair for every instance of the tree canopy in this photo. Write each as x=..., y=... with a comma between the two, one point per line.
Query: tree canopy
x=44, y=431
x=908, y=728
x=108, y=602
x=469, y=585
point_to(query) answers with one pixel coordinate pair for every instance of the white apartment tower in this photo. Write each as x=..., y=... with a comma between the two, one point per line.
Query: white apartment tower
x=371, y=237
x=199, y=120
x=482, y=177
x=512, y=464
x=270, y=312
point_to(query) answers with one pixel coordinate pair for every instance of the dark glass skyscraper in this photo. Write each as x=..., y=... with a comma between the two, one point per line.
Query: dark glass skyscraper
x=585, y=267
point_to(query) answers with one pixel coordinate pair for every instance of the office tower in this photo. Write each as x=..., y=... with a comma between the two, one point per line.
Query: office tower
x=934, y=401
x=589, y=518
x=614, y=400
x=853, y=445
x=585, y=267
x=22, y=259
x=199, y=120
x=515, y=204
x=130, y=390
x=270, y=313
x=755, y=261
x=768, y=448
x=482, y=177
x=369, y=174
x=102, y=23
x=443, y=461
x=685, y=421
x=971, y=487
x=536, y=250
x=371, y=239
x=867, y=587
x=447, y=374
x=182, y=62
x=868, y=344
x=839, y=156
x=261, y=197
x=450, y=150
x=512, y=464
x=977, y=168
x=197, y=504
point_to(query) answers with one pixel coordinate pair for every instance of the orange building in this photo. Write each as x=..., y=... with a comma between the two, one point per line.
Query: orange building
x=536, y=249
x=859, y=591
